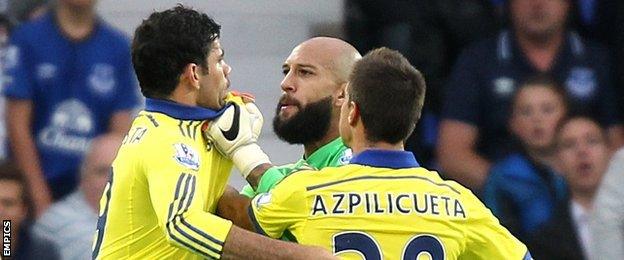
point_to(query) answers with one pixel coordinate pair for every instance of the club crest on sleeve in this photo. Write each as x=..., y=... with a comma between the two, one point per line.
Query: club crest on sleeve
x=186, y=156
x=263, y=199
x=346, y=157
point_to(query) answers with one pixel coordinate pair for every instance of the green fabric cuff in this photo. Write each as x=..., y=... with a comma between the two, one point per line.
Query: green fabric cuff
x=248, y=191
x=269, y=179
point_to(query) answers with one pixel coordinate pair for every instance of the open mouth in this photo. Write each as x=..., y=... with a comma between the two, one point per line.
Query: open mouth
x=286, y=104
x=585, y=168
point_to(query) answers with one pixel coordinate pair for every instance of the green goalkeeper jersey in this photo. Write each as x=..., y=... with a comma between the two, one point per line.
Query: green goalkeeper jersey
x=333, y=154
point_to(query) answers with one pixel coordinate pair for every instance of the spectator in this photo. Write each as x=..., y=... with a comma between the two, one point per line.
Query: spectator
x=27, y=10
x=607, y=220
x=583, y=155
x=522, y=190
x=430, y=33
x=15, y=205
x=603, y=21
x=71, y=221
x=473, y=132
x=5, y=29
x=71, y=80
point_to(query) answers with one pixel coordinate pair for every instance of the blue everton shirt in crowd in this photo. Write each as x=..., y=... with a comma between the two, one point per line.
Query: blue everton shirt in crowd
x=487, y=73
x=75, y=87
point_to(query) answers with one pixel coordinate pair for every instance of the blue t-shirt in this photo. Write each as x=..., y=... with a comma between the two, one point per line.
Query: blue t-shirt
x=488, y=72
x=75, y=87
x=522, y=194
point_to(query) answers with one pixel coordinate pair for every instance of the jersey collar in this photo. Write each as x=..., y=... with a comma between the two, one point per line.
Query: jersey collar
x=318, y=157
x=179, y=111
x=508, y=49
x=386, y=159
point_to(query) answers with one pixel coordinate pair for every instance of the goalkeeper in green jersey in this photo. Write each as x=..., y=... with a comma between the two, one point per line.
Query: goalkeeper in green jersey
x=315, y=75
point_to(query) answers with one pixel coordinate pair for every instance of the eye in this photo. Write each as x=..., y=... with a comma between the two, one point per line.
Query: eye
x=305, y=72
x=285, y=71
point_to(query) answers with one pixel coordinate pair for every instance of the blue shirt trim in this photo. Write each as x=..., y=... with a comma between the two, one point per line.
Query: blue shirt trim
x=179, y=111
x=386, y=159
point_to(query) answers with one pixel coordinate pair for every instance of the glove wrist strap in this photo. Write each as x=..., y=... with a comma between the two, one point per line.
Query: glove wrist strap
x=248, y=157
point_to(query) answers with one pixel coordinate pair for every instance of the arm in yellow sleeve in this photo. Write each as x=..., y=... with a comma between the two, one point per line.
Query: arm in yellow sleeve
x=488, y=239
x=178, y=203
x=281, y=209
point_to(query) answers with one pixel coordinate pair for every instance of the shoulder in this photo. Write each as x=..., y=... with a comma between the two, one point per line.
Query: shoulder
x=32, y=30
x=514, y=165
x=114, y=35
x=619, y=155
x=154, y=133
x=41, y=247
x=488, y=47
x=159, y=128
x=299, y=179
x=343, y=156
x=590, y=46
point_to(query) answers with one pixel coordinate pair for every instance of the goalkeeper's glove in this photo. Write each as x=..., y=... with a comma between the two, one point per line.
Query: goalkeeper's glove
x=235, y=134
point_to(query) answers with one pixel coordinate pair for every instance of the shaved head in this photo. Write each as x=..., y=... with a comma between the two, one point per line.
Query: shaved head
x=315, y=76
x=334, y=54
x=102, y=152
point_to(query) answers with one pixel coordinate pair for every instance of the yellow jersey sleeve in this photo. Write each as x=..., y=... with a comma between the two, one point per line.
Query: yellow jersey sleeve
x=177, y=200
x=280, y=209
x=487, y=238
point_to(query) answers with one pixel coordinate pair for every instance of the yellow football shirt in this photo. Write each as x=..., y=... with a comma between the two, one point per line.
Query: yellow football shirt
x=165, y=184
x=383, y=206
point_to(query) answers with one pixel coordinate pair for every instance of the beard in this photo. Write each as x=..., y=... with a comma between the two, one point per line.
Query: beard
x=308, y=125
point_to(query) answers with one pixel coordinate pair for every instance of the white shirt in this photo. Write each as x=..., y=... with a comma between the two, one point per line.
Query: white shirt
x=580, y=219
x=70, y=223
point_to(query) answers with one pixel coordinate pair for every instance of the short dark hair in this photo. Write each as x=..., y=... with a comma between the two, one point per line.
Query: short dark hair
x=166, y=42
x=10, y=172
x=390, y=94
x=543, y=80
x=578, y=116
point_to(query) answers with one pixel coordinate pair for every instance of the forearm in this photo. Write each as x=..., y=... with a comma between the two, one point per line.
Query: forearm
x=256, y=174
x=466, y=167
x=234, y=206
x=21, y=140
x=242, y=244
x=457, y=154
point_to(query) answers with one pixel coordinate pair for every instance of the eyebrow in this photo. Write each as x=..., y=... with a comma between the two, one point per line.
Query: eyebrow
x=285, y=65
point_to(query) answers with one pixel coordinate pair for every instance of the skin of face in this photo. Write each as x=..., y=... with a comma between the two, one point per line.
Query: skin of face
x=12, y=205
x=535, y=115
x=539, y=18
x=82, y=4
x=583, y=154
x=97, y=166
x=308, y=78
x=215, y=83
x=346, y=111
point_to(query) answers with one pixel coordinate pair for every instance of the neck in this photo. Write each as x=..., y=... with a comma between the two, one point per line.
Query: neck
x=15, y=236
x=543, y=156
x=331, y=134
x=311, y=147
x=183, y=96
x=93, y=200
x=585, y=199
x=541, y=50
x=76, y=23
x=358, y=147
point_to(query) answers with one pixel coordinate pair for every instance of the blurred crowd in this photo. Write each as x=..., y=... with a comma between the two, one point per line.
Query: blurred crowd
x=524, y=106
